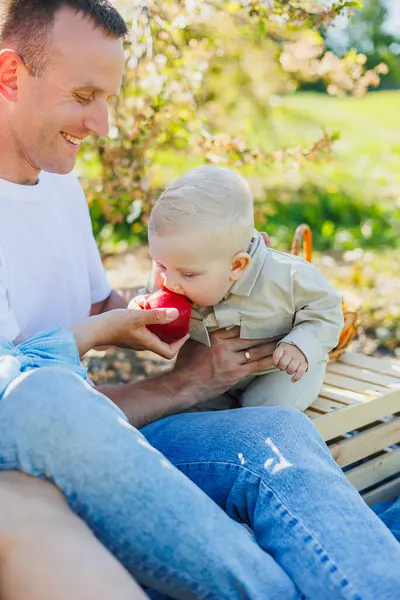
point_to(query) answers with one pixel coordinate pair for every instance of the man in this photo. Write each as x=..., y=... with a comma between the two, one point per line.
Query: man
x=265, y=467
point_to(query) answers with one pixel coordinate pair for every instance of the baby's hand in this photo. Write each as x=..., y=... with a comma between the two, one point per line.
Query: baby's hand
x=138, y=301
x=290, y=358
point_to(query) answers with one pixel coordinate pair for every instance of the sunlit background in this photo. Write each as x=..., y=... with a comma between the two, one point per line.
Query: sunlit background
x=303, y=103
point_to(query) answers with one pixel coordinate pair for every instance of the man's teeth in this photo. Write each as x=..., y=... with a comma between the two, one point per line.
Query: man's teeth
x=72, y=139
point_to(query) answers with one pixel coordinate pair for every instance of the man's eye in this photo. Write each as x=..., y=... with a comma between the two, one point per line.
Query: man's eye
x=188, y=275
x=83, y=99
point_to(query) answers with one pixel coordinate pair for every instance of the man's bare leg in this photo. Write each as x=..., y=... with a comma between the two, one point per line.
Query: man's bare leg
x=47, y=553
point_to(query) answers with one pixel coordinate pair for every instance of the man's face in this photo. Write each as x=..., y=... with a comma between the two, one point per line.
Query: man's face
x=53, y=113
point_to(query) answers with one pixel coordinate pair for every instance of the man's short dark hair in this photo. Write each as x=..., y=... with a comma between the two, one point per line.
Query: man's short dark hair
x=25, y=25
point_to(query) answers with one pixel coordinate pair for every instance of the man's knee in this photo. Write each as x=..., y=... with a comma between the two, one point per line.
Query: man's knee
x=44, y=395
x=44, y=388
x=282, y=425
x=276, y=418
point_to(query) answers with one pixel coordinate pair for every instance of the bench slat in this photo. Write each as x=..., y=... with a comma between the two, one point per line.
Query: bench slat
x=312, y=414
x=352, y=417
x=348, y=383
x=346, y=397
x=361, y=374
x=326, y=405
x=368, y=442
x=375, y=470
x=379, y=365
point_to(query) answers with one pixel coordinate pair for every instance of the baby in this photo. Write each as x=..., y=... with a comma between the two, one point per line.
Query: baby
x=203, y=245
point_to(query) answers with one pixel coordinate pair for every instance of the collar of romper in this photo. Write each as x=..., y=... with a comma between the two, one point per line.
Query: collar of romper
x=258, y=253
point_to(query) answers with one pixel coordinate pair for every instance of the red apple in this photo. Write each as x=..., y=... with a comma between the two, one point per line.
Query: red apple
x=170, y=332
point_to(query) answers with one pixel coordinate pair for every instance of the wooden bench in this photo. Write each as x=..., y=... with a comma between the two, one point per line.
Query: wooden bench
x=358, y=415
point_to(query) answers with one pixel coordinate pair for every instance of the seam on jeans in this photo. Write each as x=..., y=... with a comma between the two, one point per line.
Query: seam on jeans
x=333, y=567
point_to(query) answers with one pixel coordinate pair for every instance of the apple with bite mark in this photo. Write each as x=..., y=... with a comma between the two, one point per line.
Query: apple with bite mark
x=170, y=332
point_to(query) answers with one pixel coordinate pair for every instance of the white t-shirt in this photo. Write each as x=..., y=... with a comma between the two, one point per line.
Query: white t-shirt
x=50, y=268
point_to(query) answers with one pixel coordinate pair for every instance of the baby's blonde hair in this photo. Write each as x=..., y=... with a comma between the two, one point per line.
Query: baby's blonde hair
x=215, y=197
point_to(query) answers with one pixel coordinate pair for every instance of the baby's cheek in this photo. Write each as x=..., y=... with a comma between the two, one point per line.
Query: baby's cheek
x=206, y=297
x=158, y=278
x=194, y=293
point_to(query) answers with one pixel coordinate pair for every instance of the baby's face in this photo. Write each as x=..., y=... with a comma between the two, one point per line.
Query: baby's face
x=188, y=264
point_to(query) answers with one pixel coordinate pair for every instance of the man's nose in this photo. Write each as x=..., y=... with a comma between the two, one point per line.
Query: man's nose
x=97, y=120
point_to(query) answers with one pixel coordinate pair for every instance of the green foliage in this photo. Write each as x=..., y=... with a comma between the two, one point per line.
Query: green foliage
x=194, y=69
x=350, y=201
x=370, y=283
x=338, y=221
x=369, y=32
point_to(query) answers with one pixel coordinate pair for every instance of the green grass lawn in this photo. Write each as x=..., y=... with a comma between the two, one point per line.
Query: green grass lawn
x=369, y=125
x=367, y=155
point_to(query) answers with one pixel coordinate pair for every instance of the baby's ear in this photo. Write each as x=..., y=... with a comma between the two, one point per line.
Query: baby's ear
x=240, y=262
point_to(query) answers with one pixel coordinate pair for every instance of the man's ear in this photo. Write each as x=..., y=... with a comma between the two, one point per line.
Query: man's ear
x=10, y=64
x=240, y=262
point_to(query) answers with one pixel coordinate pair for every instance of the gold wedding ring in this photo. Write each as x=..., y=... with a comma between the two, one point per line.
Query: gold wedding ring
x=247, y=356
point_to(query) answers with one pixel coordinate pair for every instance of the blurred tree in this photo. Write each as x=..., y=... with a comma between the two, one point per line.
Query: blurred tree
x=369, y=31
x=197, y=72
x=367, y=28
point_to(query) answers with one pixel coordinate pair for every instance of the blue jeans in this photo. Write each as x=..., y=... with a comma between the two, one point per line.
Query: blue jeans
x=266, y=467
x=389, y=513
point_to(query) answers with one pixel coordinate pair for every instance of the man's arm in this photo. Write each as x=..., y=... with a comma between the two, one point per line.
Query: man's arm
x=114, y=300
x=153, y=398
x=200, y=373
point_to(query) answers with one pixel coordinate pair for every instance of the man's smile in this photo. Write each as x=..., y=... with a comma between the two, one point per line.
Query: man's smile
x=71, y=139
